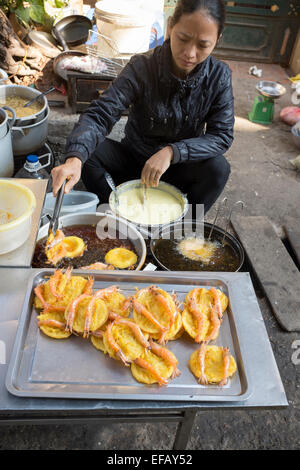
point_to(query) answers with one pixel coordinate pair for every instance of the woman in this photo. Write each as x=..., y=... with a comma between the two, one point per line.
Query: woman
x=180, y=121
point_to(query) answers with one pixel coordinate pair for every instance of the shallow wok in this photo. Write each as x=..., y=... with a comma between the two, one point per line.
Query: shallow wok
x=74, y=30
x=67, y=53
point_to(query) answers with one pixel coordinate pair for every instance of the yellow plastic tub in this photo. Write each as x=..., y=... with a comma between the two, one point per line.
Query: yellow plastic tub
x=17, y=203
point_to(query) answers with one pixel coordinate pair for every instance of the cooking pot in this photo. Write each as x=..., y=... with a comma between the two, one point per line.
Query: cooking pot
x=6, y=123
x=6, y=152
x=6, y=156
x=148, y=229
x=106, y=225
x=189, y=228
x=27, y=139
x=27, y=93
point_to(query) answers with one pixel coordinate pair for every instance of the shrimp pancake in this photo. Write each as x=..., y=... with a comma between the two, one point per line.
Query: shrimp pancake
x=115, y=302
x=160, y=365
x=99, y=316
x=70, y=289
x=97, y=341
x=204, y=300
x=126, y=341
x=51, y=330
x=214, y=364
x=157, y=309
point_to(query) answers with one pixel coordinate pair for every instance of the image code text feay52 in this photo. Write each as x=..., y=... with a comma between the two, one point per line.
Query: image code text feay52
x=177, y=459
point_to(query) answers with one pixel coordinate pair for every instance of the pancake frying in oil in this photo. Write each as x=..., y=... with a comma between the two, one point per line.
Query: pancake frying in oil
x=197, y=249
x=59, y=247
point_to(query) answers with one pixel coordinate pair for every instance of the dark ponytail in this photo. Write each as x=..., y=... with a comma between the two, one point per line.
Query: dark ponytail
x=215, y=9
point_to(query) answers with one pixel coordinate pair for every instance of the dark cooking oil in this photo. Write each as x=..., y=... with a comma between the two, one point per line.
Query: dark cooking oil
x=224, y=258
x=95, y=252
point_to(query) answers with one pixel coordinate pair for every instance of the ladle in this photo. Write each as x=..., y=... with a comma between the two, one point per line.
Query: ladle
x=224, y=201
x=229, y=218
x=112, y=186
x=38, y=96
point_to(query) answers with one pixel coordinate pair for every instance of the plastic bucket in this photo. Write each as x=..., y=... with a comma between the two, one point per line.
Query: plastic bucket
x=74, y=202
x=124, y=30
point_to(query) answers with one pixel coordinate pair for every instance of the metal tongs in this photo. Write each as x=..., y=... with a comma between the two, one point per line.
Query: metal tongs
x=53, y=225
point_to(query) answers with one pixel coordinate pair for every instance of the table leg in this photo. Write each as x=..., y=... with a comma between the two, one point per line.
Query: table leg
x=184, y=430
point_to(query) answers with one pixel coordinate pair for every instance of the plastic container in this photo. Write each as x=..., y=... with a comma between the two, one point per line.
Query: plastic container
x=17, y=203
x=125, y=28
x=33, y=168
x=74, y=202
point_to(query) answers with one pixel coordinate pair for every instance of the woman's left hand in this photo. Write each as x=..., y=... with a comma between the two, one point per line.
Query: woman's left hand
x=156, y=166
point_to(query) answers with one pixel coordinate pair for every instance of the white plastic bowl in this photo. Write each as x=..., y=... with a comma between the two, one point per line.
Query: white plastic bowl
x=19, y=202
x=74, y=202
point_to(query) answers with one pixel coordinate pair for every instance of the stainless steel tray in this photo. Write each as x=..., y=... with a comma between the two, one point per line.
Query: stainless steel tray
x=44, y=367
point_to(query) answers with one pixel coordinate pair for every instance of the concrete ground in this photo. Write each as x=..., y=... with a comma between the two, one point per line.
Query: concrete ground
x=265, y=180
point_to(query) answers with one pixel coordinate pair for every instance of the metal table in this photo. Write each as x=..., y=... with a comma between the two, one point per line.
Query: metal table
x=268, y=389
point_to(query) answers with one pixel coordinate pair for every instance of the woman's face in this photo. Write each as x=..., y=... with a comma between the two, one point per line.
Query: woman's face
x=192, y=40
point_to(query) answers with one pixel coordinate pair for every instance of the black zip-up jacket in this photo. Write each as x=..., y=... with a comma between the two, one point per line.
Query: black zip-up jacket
x=195, y=116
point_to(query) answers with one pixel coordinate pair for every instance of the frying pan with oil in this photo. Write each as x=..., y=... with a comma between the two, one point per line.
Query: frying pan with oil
x=164, y=248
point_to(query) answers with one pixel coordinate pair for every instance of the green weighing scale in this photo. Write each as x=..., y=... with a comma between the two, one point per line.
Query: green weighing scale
x=263, y=107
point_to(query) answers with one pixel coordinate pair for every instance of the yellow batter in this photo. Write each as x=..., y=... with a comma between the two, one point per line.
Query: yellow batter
x=160, y=206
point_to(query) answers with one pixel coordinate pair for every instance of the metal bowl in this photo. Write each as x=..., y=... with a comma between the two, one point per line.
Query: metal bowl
x=270, y=89
x=169, y=188
x=182, y=230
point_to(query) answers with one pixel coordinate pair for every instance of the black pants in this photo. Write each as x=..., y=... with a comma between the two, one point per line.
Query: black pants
x=202, y=181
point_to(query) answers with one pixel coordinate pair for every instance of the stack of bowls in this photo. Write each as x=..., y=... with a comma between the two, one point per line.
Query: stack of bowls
x=6, y=151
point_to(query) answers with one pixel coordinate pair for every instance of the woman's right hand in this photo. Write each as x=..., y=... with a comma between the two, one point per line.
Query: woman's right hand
x=70, y=170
